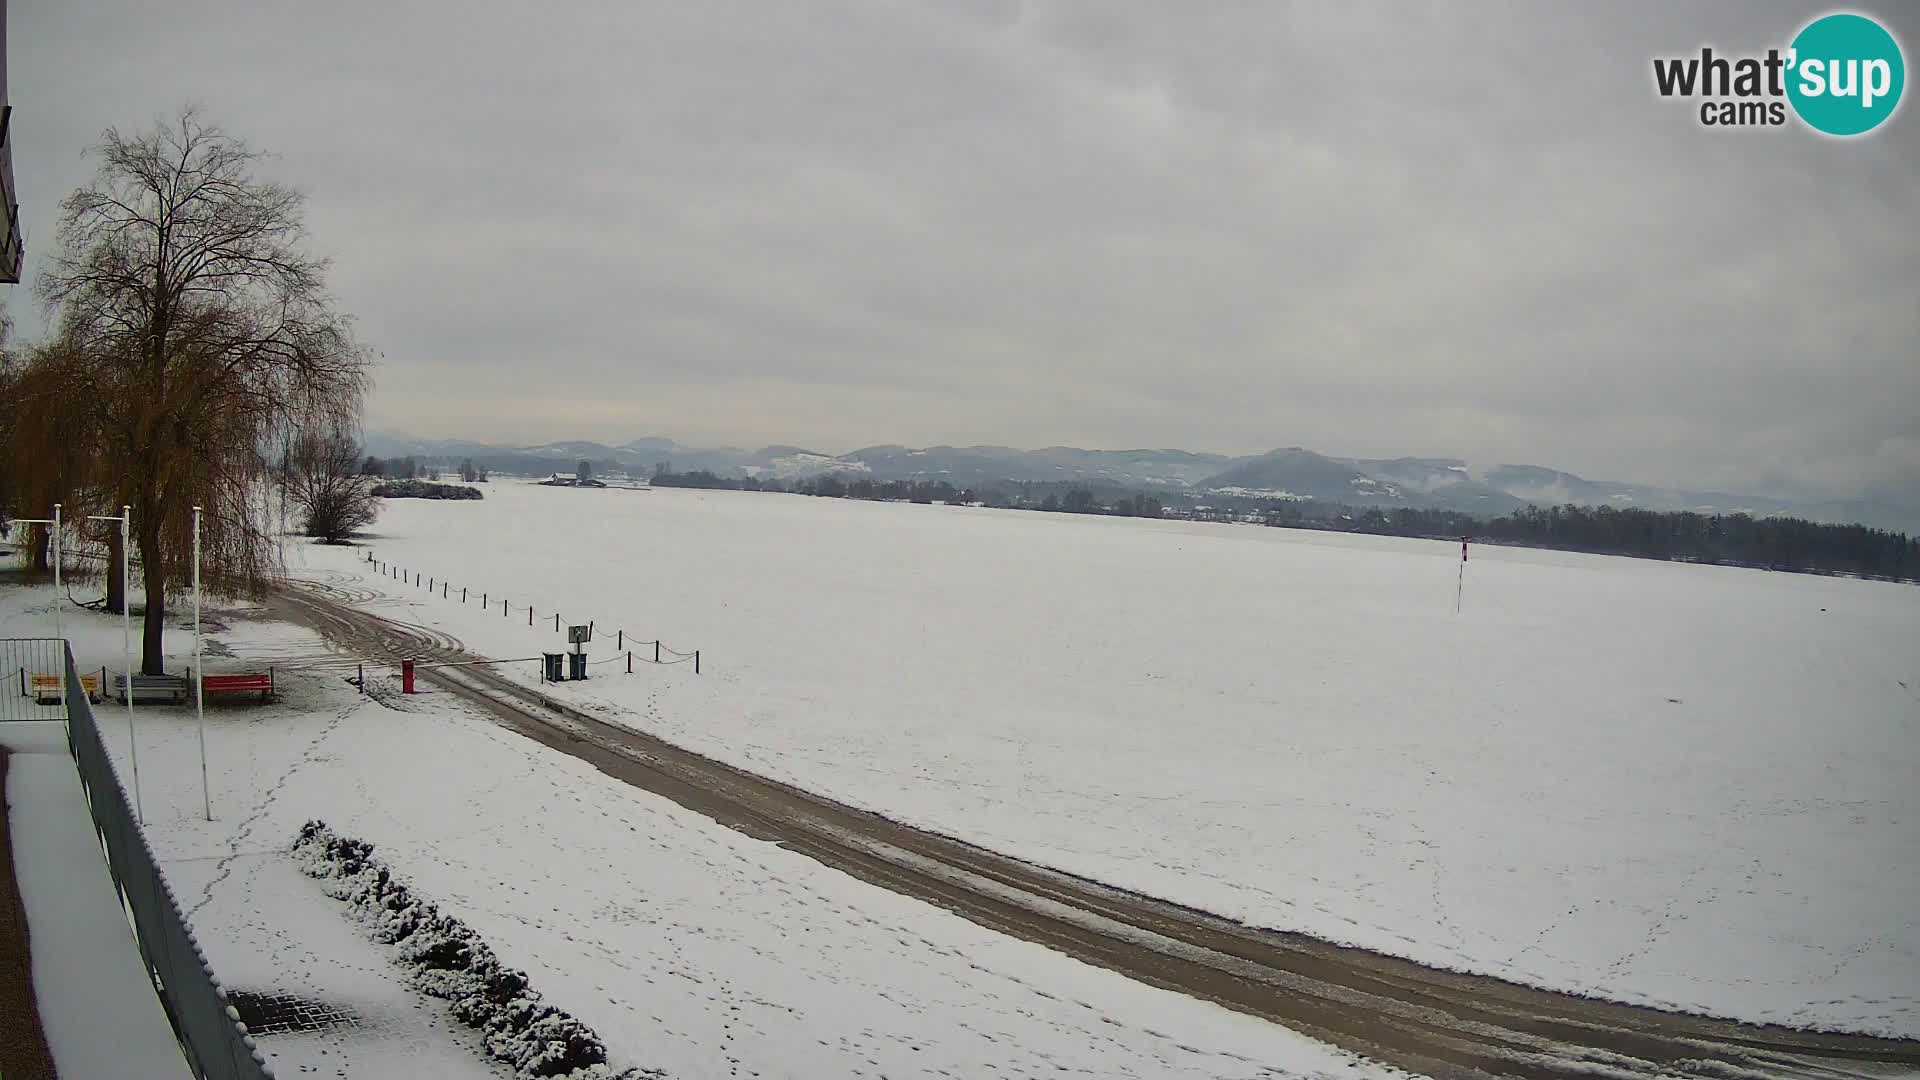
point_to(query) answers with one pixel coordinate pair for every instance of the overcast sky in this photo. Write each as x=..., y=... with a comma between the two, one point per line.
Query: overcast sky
x=1370, y=230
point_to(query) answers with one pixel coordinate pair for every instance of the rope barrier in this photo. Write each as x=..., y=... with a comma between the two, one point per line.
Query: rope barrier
x=506, y=608
x=475, y=663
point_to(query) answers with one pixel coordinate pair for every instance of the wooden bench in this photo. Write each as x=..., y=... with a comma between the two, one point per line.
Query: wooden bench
x=169, y=688
x=239, y=683
x=46, y=688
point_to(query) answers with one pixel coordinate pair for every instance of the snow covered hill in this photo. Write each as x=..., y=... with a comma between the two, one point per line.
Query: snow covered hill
x=1437, y=483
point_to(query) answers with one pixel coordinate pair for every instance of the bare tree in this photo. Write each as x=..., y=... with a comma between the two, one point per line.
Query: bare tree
x=325, y=481
x=183, y=280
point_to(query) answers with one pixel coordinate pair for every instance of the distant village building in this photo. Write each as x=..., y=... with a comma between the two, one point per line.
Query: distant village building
x=567, y=479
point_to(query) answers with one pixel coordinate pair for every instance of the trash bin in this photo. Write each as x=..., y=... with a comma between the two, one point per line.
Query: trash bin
x=576, y=665
x=550, y=666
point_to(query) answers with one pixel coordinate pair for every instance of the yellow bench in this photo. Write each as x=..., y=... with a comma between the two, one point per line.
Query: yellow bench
x=46, y=688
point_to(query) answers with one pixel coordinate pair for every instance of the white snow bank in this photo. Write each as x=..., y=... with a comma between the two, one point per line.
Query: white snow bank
x=97, y=1003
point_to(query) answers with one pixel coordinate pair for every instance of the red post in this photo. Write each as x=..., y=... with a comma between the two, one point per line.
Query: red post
x=406, y=676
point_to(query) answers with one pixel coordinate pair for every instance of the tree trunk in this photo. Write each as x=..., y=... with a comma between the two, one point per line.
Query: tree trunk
x=40, y=538
x=153, y=659
x=116, y=582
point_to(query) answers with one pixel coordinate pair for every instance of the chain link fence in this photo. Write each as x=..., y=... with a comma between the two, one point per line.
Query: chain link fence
x=215, y=1042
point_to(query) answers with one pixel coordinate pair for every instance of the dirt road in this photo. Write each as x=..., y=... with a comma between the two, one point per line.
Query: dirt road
x=1420, y=1019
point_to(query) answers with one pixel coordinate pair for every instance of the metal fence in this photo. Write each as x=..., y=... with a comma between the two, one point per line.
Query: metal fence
x=32, y=671
x=215, y=1042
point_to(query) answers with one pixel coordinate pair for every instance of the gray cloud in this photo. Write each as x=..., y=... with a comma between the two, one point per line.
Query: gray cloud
x=1369, y=229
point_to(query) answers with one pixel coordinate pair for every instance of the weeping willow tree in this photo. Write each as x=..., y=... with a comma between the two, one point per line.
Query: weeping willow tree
x=200, y=334
x=48, y=442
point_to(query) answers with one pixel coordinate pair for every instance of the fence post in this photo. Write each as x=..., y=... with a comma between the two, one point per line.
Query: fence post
x=696, y=661
x=529, y=614
x=443, y=590
x=619, y=639
x=463, y=594
x=656, y=650
x=363, y=677
x=629, y=662
x=556, y=622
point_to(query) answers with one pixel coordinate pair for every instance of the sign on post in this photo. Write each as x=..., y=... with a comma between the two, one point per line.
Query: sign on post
x=579, y=635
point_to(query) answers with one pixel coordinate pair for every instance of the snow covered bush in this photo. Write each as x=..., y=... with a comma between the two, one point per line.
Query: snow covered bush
x=446, y=959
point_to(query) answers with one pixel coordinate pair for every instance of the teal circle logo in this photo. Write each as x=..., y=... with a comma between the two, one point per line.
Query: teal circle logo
x=1845, y=74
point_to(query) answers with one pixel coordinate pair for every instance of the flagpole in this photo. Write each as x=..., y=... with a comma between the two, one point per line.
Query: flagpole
x=58, y=596
x=56, y=591
x=126, y=645
x=126, y=648
x=199, y=677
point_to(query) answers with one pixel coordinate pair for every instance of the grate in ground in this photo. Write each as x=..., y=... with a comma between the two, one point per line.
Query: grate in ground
x=272, y=1012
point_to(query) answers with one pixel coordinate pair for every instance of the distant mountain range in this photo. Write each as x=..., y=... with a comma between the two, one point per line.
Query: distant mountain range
x=1287, y=474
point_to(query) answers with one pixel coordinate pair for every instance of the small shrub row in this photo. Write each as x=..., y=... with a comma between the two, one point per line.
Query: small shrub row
x=421, y=489
x=446, y=959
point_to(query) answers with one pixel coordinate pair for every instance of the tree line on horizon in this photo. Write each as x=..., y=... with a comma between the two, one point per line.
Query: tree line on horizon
x=1736, y=539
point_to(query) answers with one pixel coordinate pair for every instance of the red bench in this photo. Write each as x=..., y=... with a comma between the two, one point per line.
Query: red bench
x=261, y=683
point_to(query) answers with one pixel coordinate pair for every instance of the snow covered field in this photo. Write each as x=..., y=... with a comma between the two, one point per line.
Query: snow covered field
x=88, y=974
x=1677, y=785
x=686, y=945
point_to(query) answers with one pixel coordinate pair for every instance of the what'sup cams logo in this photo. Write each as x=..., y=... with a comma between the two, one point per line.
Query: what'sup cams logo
x=1841, y=75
